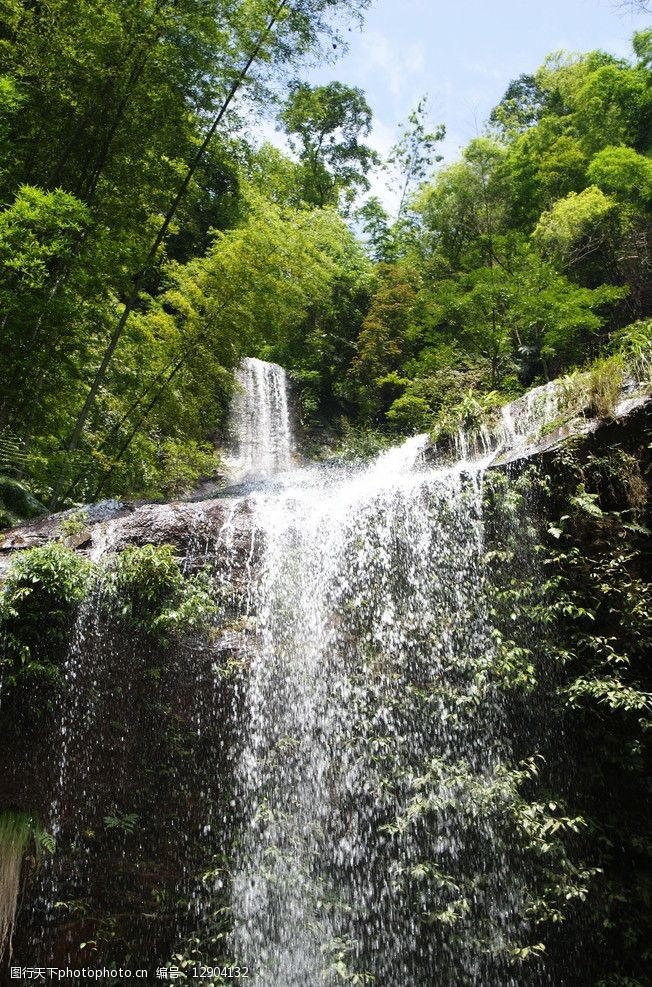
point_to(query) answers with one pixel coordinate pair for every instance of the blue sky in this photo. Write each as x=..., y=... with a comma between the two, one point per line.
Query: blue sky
x=463, y=54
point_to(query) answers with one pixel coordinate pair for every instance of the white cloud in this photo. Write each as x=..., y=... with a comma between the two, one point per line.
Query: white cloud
x=382, y=138
x=399, y=65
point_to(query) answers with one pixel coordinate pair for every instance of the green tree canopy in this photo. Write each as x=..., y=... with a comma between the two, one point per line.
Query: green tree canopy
x=325, y=125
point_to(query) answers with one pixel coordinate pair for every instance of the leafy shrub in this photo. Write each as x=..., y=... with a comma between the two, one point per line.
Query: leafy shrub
x=12, y=455
x=152, y=594
x=74, y=524
x=577, y=631
x=45, y=585
x=634, y=342
x=410, y=413
x=360, y=443
x=604, y=386
x=474, y=411
x=42, y=588
x=595, y=392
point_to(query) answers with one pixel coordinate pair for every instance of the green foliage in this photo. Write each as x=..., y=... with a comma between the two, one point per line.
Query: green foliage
x=409, y=414
x=642, y=45
x=604, y=385
x=185, y=462
x=382, y=343
x=73, y=525
x=20, y=832
x=470, y=414
x=126, y=822
x=635, y=344
x=508, y=267
x=527, y=254
x=339, y=952
x=39, y=229
x=12, y=456
x=324, y=125
x=379, y=235
x=361, y=444
x=16, y=501
x=596, y=391
x=152, y=594
x=608, y=684
x=520, y=108
x=573, y=224
x=41, y=590
x=85, y=179
x=332, y=284
x=565, y=641
x=624, y=173
x=44, y=586
x=521, y=261
x=539, y=830
x=413, y=156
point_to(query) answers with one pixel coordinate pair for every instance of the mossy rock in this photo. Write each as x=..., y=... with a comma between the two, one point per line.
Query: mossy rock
x=17, y=503
x=8, y=519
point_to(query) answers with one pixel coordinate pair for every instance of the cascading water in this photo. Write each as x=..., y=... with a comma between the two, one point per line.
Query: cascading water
x=367, y=595
x=260, y=420
x=371, y=667
x=356, y=779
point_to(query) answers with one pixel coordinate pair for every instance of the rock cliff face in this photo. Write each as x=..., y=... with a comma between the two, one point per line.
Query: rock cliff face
x=133, y=755
x=124, y=752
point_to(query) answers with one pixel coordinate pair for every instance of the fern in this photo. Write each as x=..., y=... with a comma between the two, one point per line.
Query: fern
x=13, y=459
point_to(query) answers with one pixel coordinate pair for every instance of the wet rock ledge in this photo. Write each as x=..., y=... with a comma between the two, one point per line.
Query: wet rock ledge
x=222, y=523
x=194, y=528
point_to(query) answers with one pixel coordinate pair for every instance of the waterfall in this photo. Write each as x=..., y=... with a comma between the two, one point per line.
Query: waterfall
x=356, y=777
x=260, y=420
x=368, y=693
x=371, y=666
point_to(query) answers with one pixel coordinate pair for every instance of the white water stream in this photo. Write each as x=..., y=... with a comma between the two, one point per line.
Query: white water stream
x=373, y=644
x=260, y=421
